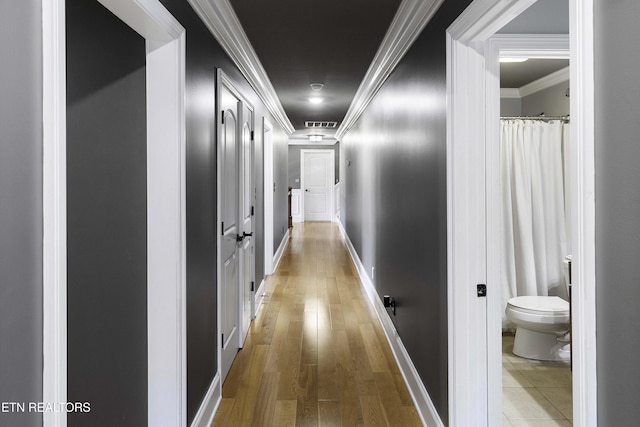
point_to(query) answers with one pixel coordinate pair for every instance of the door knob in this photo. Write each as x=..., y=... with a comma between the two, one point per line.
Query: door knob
x=247, y=234
x=306, y=189
x=239, y=238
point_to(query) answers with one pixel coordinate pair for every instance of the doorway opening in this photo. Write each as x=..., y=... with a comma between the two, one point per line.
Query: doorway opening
x=475, y=381
x=533, y=75
x=317, y=179
x=166, y=160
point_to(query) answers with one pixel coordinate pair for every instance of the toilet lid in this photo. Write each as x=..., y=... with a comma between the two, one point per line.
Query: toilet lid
x=540, y=304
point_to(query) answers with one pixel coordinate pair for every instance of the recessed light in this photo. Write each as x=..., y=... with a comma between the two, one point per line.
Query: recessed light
x=315, y=100
x=315, y=138
x=316, y=86
x=512, y=59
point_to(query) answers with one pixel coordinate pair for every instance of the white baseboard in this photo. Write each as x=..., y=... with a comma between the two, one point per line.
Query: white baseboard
x=283, y=245
x=424, y=405
x=259, y=296
x=210, y=404
x=296, y=205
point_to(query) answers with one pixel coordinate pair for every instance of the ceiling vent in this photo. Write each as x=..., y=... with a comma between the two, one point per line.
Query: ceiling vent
x=320, y=124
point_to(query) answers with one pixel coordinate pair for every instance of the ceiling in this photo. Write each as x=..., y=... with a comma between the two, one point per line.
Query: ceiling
x=543, y=17
x=300, y=42
x=518, y=74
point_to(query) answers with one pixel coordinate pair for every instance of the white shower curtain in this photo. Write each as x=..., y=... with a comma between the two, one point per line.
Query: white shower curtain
x=533, y=208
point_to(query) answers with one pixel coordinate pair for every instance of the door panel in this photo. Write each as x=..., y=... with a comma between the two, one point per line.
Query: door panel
x=318, y=185
x=229, y=203
x=229, y=317
x=246, y=208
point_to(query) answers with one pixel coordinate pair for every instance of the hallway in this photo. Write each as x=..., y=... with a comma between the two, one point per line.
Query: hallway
x=315, y=354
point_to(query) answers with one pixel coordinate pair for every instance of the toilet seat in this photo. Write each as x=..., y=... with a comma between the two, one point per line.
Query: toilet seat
x=539, y=321
x=539, y=305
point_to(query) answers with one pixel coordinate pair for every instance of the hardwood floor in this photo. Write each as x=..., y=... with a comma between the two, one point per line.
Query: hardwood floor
x=315, y=355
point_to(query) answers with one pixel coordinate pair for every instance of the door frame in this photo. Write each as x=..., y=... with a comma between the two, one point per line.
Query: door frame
x=472, y=382
x=267, y=138
x=326, y=151
x=166, y=192
x=223, y=79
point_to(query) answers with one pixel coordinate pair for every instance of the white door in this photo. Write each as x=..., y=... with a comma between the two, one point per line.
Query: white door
x=317, y=184
x=237, y=200
x=231, y=228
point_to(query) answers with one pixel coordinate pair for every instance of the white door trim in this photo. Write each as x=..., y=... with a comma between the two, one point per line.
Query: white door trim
x=332, y=172
x=267, y=138
x=54, y=277
x=582, y=105
x=469, y=391
x=166, y=196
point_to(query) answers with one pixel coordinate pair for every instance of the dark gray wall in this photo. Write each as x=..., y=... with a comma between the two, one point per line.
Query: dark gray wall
x=21, y=208
x=617, y=156
x=106, y=218
x=395, y=210
x=294, y=161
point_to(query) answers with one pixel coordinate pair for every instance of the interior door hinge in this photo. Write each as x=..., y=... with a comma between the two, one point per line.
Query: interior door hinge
x=222, y=117
x=222, y=228
x=222, y=343
x=252, y=136
x=253, y=286
x=252, y=211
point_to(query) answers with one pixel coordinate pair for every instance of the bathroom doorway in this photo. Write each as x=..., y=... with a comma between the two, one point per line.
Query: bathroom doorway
x=534, y=151
x=473, y=187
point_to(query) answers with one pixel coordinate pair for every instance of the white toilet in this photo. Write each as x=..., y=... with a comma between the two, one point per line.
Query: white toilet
x=542, y=322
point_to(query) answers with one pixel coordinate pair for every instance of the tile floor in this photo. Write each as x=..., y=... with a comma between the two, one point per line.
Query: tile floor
x=534, y=393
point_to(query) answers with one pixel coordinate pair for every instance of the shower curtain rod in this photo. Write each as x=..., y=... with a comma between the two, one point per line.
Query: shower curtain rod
x=563, y=118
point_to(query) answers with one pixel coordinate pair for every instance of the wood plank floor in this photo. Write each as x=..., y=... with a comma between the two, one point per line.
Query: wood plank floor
x=315, y=354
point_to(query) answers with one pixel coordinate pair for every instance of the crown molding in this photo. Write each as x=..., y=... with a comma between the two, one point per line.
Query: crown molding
x=534, y=46
x=510, y=93
x=411, y=18
x=549, y=46
x=542, y=83
x=219, y=17
x=546, y=82
x=296, y=141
